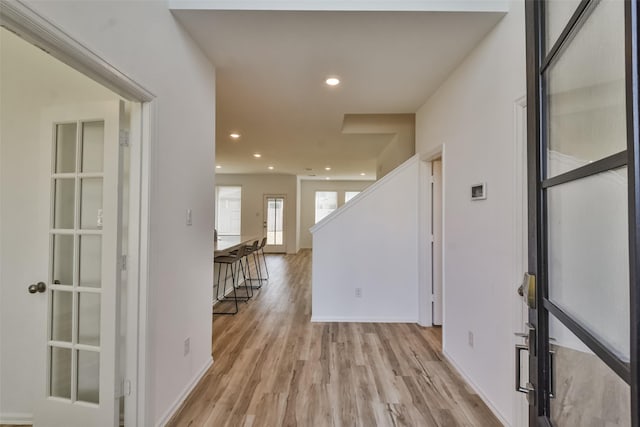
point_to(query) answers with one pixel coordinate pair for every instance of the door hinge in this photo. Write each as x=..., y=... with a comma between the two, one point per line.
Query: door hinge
x=123, y=263
x=124, y=138
x=124, y=390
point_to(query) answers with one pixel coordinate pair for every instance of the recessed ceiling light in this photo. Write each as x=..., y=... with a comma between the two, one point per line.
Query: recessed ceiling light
x=327, y=178
x=332, y=81
x=362, y=174
x=328, y=168
x=270, y=168
x=257, y=155
x=234, y=135
x=218, y=167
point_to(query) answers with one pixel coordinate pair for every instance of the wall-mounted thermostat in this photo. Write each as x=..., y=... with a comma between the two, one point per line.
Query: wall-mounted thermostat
x=479, y=191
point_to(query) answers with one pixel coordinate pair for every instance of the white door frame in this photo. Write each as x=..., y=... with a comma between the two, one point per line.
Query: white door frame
x=436, y=238
x=425, y=296
x=19, y=18
x=520, y=242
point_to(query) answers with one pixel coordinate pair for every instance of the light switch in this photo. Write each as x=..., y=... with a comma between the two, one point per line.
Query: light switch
x=189, y=221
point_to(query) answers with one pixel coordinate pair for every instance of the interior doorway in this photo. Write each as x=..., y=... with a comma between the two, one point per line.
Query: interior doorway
x=70, y=213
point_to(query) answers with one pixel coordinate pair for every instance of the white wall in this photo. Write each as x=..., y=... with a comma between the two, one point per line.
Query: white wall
x=308, y=190
x=472, y=115
x=30, y=81
x=143, y=41
x=401, y=131
x=254, y=188
x=370, y=243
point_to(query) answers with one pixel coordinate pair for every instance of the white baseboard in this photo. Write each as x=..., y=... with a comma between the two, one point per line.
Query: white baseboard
x=18, y=419
x=328, y=319
x=185, y=393
x=477, y=389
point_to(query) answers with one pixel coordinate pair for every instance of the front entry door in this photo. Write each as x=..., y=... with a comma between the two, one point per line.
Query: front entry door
x=274, y=229
x=79, y=385
x=583, y=290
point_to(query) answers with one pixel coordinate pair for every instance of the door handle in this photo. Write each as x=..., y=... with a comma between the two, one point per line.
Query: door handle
x=528, y=388
x=37, y=287
x=519, y=387
x=552, y=374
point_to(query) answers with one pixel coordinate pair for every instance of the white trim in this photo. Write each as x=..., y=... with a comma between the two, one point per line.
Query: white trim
x=185, y=393
x=476, y=389
x=364, y=194
x=145, y=364
x=520, y=239
x=16, y=418
x=19, y=18
x=425, y=297
x=346, y=5
x=329, y=319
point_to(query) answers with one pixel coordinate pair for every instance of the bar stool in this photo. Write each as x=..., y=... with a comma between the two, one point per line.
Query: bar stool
x=230, y=260
x=264, y=259
x=254, y=250
x=249, y=251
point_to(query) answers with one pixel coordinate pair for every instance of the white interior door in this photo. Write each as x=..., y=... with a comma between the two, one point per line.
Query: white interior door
x=78, y=380
x=274, y=223
x=436, y=252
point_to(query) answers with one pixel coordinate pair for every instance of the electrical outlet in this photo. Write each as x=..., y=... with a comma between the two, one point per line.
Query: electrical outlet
x=358, y=292
x=187, y=346
x=189, y=217
x=470, y=339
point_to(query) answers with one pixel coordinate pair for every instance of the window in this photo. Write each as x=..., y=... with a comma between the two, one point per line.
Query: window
x=228, y=203
x=326, y=202
x=348, y=195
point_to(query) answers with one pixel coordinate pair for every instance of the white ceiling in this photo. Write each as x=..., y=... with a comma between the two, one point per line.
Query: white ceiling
x=271, y=67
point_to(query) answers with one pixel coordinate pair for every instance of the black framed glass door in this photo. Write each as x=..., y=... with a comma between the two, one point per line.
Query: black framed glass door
x=583, y=293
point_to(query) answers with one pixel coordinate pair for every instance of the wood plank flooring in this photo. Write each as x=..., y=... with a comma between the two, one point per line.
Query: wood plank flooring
x=273, y=367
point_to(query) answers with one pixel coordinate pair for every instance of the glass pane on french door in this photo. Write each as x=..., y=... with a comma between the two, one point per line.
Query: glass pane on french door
x=275, y=221
x=75, y=262
x=586, y=118
x=588, y=255
x=586, y=392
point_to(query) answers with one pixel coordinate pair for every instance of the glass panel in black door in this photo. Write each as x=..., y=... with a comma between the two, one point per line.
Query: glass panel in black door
x=588, y=255
x=586, y=92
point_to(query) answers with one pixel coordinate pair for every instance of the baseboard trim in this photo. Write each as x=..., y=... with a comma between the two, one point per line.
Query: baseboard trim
x=16, y=418
x=185, y=393
x=328, y=319
x=477, y=389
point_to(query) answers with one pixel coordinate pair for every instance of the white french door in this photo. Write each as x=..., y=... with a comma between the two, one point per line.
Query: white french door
x=78, y=372
x=274, y=223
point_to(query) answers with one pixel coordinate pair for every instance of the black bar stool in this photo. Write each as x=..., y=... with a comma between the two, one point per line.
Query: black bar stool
x=251, y=250
x=264, y=259
x=230, y=260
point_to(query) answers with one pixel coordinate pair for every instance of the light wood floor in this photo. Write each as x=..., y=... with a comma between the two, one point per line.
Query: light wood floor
x=273, y=367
